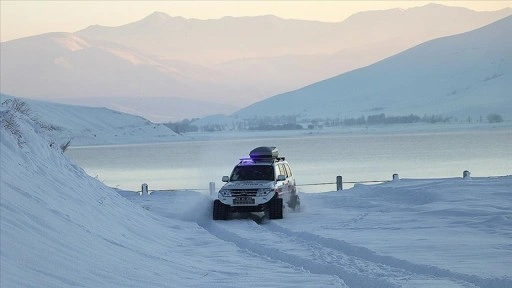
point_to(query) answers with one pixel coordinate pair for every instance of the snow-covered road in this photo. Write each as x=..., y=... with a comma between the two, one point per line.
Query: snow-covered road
x=412, y=233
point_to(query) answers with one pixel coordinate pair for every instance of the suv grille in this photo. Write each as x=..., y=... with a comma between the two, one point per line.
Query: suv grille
x=244, y=192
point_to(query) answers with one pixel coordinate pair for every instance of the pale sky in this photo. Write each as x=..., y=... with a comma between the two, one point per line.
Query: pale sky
x=20, y=19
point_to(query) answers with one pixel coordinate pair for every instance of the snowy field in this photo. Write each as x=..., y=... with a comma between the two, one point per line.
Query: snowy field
x=63, y=228
x=410, y=233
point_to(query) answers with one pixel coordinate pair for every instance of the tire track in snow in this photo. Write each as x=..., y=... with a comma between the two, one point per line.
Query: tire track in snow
x=350, y=278
x=371, y=256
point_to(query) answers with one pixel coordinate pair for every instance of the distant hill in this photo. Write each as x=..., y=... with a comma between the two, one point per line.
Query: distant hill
x=170, y=68
x=230, y=38
x=66, y=68
x=266, y=55
x=94, y=126
x=466, y=75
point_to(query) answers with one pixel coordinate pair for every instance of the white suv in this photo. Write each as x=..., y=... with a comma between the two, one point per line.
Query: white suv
x=261, y=183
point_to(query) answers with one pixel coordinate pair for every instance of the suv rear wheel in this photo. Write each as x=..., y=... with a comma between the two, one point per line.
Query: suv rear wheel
x=294, y=202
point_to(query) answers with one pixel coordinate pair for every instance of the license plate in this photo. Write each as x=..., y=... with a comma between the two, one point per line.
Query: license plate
x=243, y=201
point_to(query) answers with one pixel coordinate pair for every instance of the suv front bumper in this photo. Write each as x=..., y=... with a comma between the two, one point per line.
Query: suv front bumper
x=245, y=201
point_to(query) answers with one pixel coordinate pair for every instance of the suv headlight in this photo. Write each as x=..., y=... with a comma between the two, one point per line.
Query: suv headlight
x=225, y=192
x=264, y=192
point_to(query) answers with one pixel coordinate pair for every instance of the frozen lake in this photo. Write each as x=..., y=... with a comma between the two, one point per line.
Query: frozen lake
x=315, y=158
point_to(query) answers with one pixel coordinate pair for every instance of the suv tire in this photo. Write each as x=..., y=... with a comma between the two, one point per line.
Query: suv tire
x=276, y=208
x=294, y=202
x=220, y=211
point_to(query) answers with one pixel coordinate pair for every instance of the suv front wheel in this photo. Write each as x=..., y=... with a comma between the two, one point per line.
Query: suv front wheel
x=275, y=208
x=220, y=210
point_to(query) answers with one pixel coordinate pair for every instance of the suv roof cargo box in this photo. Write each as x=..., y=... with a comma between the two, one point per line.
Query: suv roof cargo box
x=264, y=153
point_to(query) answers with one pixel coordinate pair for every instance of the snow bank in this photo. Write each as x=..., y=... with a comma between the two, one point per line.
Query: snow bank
x=62, y=228
x=95, y=126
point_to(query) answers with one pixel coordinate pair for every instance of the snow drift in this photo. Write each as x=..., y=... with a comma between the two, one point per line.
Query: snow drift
x=94, y=126
x=62, y=228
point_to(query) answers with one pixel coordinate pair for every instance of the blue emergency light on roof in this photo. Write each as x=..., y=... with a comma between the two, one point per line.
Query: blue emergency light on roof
x=246, y=160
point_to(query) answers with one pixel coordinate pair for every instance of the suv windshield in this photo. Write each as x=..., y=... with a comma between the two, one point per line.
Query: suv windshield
x=253, y=172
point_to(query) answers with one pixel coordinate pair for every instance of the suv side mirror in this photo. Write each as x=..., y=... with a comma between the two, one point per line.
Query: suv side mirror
x=281, y=178
x=225, y=178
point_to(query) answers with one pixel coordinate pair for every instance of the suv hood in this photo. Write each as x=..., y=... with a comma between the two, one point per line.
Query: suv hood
x=248, y=185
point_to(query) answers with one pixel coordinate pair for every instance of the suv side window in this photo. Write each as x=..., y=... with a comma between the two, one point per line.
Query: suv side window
x=280, y=170
x=288, y=170
x=285, y=170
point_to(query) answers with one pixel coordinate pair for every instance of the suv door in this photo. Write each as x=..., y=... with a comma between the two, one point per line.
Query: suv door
x=282, y=171
x=291, y=179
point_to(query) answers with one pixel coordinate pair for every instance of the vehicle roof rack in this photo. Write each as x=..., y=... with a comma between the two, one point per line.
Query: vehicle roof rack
x=265, y=153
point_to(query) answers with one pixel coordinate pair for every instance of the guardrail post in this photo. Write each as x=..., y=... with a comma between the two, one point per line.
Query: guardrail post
x=466, y=174
x=212, y=189
x=339, y=183
x=395, y=177
x=144, y=189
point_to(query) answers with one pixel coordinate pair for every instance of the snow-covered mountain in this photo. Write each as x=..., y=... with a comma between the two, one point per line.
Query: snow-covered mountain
x=66, y=68
x=62, y=228
x=466, y=75
x=93, y=126
x=268, y=55
x=361, y=40
x=231, y=38
x=170, y=68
